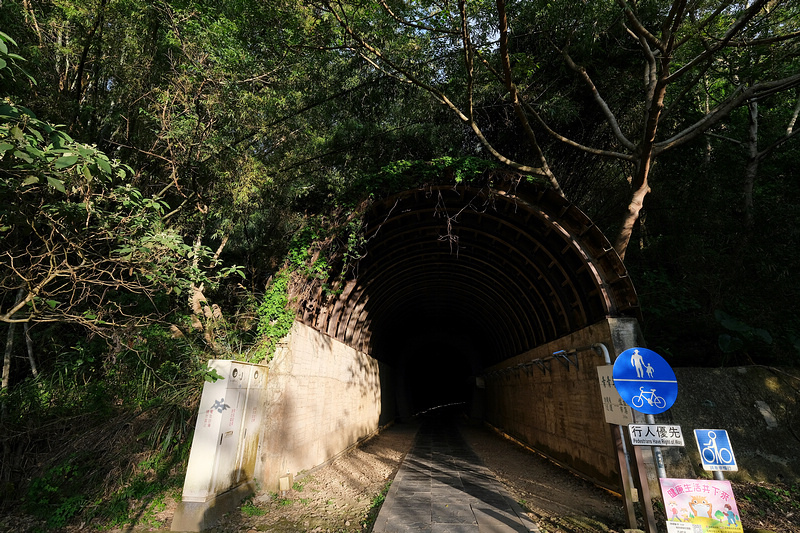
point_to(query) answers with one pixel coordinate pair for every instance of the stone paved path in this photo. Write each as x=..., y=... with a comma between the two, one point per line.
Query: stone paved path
x=442, y=487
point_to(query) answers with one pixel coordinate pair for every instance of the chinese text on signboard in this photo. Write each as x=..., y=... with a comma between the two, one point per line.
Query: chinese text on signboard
x=655, y=435
x=700, y=506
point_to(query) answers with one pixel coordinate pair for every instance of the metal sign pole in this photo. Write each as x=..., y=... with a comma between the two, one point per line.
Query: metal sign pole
x=644, y=494
x=647, y=383
x=657, y=455
x=716, y=456
x=625, y=475
x=623, y=459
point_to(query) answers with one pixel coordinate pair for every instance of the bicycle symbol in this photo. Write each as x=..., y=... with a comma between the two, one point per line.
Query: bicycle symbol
x=650, y=397
x=713, y=454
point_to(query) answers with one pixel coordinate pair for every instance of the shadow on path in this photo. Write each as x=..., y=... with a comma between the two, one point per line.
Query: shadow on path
x=442, y=487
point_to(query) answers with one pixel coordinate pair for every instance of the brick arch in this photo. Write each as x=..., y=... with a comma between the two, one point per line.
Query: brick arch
x=509, y=269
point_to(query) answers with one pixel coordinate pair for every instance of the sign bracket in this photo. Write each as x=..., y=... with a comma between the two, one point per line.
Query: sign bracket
x=566, y=358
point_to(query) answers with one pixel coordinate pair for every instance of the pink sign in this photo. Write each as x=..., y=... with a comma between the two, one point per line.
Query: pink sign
x=700, y=506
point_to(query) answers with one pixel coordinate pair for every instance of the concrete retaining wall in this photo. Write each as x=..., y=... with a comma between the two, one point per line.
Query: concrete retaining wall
x=322, y=397
x=758, y=406
x=559, y=411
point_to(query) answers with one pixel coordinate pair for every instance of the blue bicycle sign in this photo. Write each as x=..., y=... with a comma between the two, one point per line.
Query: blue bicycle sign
x=650, y=397
x=715, y=450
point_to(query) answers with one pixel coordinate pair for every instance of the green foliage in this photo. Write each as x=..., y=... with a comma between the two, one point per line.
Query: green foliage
x=283, y=502
x=325, y=241
x=144, y=490
x=275, y=316
x=59, y=197
x=744, y=334
x=787, y=497
x=59, y=494
x=302, y=256
x=379, y=498
x=375, y=506
x=9, y=60
x=188, y=118
x=71, y=386
x=211, y=375
x=73, y=487
x=36, y=153
x=250, y=509
x=405, y=174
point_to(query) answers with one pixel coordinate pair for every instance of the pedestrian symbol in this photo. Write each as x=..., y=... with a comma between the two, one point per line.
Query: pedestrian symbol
x=645, y=381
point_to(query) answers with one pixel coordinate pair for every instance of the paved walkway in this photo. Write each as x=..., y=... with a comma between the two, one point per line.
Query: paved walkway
x=442, y=487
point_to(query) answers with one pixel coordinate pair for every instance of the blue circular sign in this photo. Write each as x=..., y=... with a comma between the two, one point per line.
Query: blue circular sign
x=645, y=381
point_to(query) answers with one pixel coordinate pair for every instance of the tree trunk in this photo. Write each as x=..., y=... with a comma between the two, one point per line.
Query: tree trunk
x=657, y=83
x=6, y=379
x=640, y=183
x=631, y=216
x=7, y=365
x=753, y=158
x=29, y=12
x=29, y=344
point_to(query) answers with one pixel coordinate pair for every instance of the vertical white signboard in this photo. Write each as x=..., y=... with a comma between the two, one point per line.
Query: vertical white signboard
x=615, y=409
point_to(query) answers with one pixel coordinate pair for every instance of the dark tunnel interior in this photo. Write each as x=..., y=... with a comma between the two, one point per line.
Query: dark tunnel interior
x=455, y=280
x=435, y=364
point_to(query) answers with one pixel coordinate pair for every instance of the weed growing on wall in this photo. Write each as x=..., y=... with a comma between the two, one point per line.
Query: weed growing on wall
x=275, y=317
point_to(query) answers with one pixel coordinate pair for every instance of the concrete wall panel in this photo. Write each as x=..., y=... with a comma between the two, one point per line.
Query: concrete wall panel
x=322, y=398
x=559, y=412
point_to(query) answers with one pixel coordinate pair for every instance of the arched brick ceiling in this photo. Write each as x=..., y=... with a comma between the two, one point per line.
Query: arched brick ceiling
x=501, y=271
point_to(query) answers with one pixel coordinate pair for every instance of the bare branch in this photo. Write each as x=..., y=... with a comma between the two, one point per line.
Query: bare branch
x=793, y=120
x=724, y=138
x=612, y=120
x=638, y=27
x=741, y=95
x=766, y=151
x=515, y=100
x=414, y=24
x=734, y=30
x=706, y=22
x=574, y=144
x=409, y=77
x=469, y=60
x=765, y=41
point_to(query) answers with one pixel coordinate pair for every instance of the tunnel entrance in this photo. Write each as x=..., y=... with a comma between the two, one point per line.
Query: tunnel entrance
x=489, y=298
x=457, y=279
x=461, y=296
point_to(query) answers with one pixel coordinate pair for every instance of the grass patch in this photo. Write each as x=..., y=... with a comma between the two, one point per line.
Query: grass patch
x=251, y=509
x=375, y=507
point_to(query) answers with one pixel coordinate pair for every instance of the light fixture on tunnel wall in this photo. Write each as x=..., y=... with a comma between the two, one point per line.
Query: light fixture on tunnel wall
x=565, y=357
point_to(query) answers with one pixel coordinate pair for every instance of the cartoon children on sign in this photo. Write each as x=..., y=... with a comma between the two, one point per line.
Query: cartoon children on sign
x=706, y=506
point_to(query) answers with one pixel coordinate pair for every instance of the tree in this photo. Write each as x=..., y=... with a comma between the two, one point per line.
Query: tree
x=678, y=56
x=81, y=245
x=419, y=43
x=679, y=44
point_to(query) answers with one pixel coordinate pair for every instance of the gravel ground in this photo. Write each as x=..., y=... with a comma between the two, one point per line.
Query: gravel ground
x=345, y=495
x=555, y=499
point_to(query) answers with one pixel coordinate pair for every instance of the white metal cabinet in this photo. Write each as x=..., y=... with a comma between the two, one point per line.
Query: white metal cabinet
x=227, y=430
